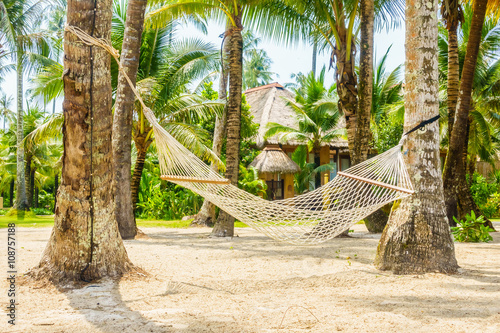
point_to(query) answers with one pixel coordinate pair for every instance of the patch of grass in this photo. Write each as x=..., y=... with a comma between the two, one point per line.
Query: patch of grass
x=163, y=224
x=27, y=222
x=48, y=221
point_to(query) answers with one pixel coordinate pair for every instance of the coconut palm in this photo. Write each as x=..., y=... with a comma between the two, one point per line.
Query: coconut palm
x=17, y=23
x=403, y=248
x=477, y=56
x=256, y=63
x=122, y=121
x=5, y=111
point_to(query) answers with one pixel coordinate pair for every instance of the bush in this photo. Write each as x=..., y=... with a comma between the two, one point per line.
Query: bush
x=3, y=212
x=491, y=208
x=14, y=212
x=472, y=229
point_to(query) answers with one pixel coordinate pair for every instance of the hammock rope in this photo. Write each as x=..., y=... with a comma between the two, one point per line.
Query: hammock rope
x=310, y=218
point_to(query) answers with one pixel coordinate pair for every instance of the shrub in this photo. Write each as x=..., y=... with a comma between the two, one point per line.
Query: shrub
x=3, y=212
x=492, y=207
x=472, y=229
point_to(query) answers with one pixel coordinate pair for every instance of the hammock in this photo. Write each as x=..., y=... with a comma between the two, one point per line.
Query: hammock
x=310, y=218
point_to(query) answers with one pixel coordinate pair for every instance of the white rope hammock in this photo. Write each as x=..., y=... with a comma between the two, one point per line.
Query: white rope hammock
x=310, y=218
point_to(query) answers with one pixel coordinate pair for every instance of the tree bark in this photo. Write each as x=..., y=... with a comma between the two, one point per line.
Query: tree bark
x=224, y=226
x=85, y=242
x=453, y=175
x=365, y=88
x=122, y=121
x=417, y=238
x=451, y=12
x=347, y=90
x=206, y=215
x=142, y=145
x=21, y=200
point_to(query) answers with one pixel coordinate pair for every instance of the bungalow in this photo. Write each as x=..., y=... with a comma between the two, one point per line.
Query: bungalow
x=267, y=105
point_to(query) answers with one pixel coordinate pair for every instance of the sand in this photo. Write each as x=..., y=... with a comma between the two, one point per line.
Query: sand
x=252, y=283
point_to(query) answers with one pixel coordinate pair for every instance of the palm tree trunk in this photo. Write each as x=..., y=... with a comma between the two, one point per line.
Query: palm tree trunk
x=225, y=222
x=365, y=88
x=85, y=241
x=206, y=215
x=142, y=147
x=35, y=201
x=345, y=78
x=417, y=238
x=122, y=122
x=21, y=201
x=454, y=176
x=453, y=76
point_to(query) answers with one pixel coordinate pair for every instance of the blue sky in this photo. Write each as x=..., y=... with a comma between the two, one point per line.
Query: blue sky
x=286, y=60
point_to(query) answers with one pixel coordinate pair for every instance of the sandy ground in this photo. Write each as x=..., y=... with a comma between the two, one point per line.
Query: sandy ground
x=253, y=284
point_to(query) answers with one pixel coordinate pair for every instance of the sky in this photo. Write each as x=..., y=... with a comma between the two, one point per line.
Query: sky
x=286, y=60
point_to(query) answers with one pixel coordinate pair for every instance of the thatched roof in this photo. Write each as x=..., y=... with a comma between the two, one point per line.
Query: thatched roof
x=267, y=104
x=274, y=160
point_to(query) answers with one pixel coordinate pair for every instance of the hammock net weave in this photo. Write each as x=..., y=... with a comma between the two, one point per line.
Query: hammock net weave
x=310, y=218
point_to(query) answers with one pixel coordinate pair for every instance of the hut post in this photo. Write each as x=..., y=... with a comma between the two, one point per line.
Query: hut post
x=324, y=158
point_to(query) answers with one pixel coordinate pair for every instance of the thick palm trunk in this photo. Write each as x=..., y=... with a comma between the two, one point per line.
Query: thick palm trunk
x=417, y=238
x=347, y=90
x=453, y=175
x=206, y=215
x=85, y=242
x=365, y=88
x=142, y=145
x=21, y=200
x=122, y=121
x=225, y=222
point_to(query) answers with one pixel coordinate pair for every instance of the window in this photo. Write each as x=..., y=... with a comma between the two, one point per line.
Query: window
x=345, y=163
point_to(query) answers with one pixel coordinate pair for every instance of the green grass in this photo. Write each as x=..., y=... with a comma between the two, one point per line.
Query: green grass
x=48, y=221
x=28, y=222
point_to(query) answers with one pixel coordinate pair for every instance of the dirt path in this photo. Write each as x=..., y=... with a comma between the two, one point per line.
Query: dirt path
x=254, y=284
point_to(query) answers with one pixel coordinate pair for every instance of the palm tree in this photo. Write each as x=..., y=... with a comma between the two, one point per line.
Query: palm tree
x=417, y=238
x=17, y=22
x=122, y=122
x=85, y=243
x=306, y=178
x=456, y=187
x=5, y=112
x=318, y=117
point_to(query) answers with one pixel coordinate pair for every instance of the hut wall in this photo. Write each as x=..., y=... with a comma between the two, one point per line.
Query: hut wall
x=289, y=192
x=324, y=158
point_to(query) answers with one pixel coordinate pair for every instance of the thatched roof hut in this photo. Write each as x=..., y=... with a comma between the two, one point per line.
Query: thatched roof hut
x=268, y=104
x=274, y=160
